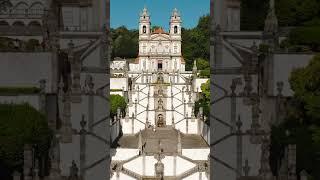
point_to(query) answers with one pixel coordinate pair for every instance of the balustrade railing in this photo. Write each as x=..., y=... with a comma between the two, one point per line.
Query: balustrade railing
x=21, y=30
x=22, y=13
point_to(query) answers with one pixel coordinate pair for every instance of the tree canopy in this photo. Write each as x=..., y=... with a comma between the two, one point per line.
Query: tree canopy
x=117, y=101
x=204, y=100
x=21, y=124
x=124, y=42
x=302, y=120
x=289, y=13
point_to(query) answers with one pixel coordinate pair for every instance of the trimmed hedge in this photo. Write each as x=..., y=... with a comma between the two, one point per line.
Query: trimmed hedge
x=19, y=90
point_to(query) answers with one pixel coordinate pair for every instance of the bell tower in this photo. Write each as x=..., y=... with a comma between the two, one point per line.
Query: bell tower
x=175, y=24
x=144, y=24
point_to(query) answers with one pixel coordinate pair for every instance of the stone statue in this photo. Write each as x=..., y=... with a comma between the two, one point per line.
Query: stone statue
x=160, y=104
x=160, y=122
x=73, y=172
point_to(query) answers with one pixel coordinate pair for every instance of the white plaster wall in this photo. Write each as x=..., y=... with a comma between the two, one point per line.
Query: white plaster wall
x=95, y=148
x=197, y=176
x=196, y=154
x=116, y=93
x=118, y=83
x=71, y=16
x=283, y=66
x=226, y=150
x=121, y=154
x=199, y=82
x=68, y=153
x=27, y=69
x=183, y=165
x=136, y=165
x=121, y=177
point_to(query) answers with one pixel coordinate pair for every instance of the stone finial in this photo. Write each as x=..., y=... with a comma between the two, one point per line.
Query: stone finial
x=279, y=87
x=246, y=168
x=42, y=85
x=194, y=68
x=16, y=175
x=254, y=47
x=71, y=44
x=73, y=174
x=239, y=124
x=36, y=170
x=27, y=155
x=201, y=112
x=304, y=175
x=118, y=113
x=140, y=141
x=234, y=84
x=83, y=123
x=271, y=22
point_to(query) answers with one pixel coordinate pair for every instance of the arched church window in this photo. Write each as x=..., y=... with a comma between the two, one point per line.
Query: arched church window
x=175, y=29
x=144, y=29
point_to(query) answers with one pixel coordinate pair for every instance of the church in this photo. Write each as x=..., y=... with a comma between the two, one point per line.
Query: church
x=162, y=137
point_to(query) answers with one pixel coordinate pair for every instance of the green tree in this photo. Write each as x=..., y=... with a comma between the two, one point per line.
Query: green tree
x=117, y=101
x=204, y=100
x=202, y=64
x=196, y=42
x=302, y=120
x=21, y=124
x=124, y=42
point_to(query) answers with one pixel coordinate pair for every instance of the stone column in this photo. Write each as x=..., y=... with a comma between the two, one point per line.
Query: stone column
x=16, y=175
x=265, y=170
x=239, y=147
x=43, y=96
x=174, y=165
x=132, y=121
x=246, y=168
x=130, y=97
x=183, y=88
x=279, y=104
x=55, y=158
x=187, y=123
x=36, y=170
x=66, y=131
x=217, y=43
x=184, y=108
x=143, y=164
x=292, y=155
x=233, y=109
x=255, y=131
x=83, y=134
x=138, y=97
x=179, y=146
x=27, y=162
x=75, y=70
x=90, y=105
x=135, y=107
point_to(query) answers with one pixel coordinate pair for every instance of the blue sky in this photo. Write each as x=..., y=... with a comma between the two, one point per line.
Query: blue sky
x=126, y=12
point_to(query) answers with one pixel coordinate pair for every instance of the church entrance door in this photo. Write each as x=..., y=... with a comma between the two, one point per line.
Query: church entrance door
x=160, y=65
